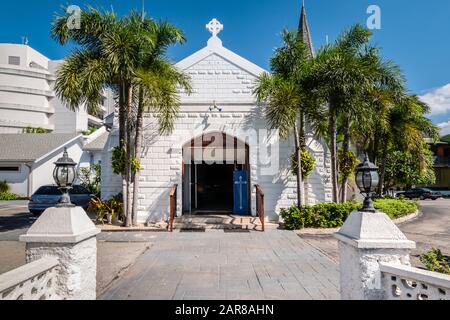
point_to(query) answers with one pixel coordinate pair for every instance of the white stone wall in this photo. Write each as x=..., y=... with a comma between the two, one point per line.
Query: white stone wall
x=162, y=164
x=78, y=266
x=403, y=282
x=225, y=79
x=360, y=271
x=222, y=78
x=216, y=79
x=34, y=281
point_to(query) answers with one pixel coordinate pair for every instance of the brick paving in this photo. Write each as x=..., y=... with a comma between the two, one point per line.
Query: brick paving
x=215, y=264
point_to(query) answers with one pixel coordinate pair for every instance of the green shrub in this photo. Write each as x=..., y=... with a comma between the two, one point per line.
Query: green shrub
x=333, y=215
x=324, y=215
x=8, y=196
x=102, y=209
x=90, y=178
x=347, y=164
x=396, y=208
x=308, y=164
x=4, y=187
x=119, y=162
x=435, y=261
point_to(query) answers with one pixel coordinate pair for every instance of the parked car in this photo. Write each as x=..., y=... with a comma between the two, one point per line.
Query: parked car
x=48, y=196
x=422, y=193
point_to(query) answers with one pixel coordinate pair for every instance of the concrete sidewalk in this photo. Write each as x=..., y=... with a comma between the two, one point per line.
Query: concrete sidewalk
x=220, y=265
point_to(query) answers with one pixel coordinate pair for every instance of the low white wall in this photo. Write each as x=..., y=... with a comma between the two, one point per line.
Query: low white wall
x=34, y=281
x=402, y=282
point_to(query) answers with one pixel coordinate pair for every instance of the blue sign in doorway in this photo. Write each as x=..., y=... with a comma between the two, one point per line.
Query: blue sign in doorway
x=240, y=183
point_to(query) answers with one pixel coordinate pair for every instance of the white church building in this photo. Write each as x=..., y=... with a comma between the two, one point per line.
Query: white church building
x=221, y=146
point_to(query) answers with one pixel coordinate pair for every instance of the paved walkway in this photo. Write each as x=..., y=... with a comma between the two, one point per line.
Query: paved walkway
x=225, y=265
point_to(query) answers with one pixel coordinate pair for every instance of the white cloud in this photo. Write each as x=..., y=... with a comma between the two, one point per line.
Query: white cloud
x=438, y=99
x=445, y=128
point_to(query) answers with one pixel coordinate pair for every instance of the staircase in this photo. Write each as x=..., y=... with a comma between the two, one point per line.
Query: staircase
x=228, y=223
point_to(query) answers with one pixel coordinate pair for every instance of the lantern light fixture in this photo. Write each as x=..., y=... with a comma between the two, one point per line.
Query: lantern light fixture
x=65, y=175
x=367, y=180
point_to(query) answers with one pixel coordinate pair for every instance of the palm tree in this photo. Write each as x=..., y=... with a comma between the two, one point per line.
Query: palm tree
x=395, y=122
x=343, y=74
x=286, y=98
x=386, y=89
x=407, y=130
x=116, y=53
x=103, y=58
x=159, y=87
x=155, y=82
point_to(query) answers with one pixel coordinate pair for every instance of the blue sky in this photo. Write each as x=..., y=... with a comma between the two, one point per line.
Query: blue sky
x=413, y=33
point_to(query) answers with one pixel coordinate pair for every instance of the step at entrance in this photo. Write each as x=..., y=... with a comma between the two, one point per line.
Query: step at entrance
x=230, y=223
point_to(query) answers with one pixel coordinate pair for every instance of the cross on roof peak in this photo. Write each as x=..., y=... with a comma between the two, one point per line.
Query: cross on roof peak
x=214, y=27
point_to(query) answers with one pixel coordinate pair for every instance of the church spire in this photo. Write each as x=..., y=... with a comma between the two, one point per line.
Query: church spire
x=304, y=32
x=143, y=10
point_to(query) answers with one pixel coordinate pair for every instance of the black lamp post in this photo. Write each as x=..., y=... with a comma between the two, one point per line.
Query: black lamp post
x=65, y=175
x=367, y=180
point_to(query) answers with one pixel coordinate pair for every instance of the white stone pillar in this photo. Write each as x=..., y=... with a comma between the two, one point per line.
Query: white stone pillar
x=69, y=235
x=365, y=240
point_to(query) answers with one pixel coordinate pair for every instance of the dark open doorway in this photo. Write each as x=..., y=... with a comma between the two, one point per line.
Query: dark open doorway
x=214, y=187
x=210, y=186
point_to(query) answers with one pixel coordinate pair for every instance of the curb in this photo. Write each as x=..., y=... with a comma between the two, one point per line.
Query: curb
x=109, y=229
x=329, y=232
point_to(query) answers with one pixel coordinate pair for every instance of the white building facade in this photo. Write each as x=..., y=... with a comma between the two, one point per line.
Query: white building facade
x=28, y=100
x=220, y=149
x=27, y=96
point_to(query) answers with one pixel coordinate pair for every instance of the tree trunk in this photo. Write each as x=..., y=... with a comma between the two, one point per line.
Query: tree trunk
x=345, y=149
x=383, y=168
x=139, y=128
x=333, y=146
x=128, y=156
x=302, y=143
x=124, y=93
x=298, y=151
x=376, y=146
x=302, y=131
x=122, y=111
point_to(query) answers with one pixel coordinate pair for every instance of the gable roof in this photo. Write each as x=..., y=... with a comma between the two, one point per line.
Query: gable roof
x=32, y=147
x=220, y=76
x=97, y=144
x=215, y=47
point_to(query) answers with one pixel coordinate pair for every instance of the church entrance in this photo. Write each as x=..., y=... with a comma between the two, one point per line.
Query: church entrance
x=216, y=176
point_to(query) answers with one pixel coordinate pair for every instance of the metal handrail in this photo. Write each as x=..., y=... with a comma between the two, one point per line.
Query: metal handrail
x=173, y=206
x=260, y=205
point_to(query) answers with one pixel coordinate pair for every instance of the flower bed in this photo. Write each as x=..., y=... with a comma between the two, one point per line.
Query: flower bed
x=333, y=215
